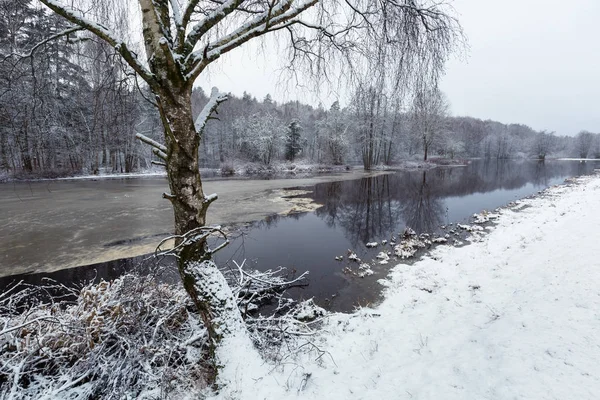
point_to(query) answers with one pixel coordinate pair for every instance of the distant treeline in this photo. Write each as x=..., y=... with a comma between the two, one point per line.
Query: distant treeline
x=70, y=106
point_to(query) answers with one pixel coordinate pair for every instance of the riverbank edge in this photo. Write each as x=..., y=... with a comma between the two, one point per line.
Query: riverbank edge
x=248, y=171
x=473, y=229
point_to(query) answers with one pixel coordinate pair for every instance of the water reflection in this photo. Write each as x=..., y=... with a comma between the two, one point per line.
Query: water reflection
x=422, y=209
x=375, y=208
x=363, y=209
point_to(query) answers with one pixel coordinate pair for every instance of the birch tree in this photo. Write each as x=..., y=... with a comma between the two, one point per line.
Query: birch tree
x=429, y=112
x=183, y=38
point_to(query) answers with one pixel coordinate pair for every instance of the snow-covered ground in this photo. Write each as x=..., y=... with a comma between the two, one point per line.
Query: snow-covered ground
x=513, y=316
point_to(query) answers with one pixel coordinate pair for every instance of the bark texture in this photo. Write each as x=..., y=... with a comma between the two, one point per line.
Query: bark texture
x=182, y=139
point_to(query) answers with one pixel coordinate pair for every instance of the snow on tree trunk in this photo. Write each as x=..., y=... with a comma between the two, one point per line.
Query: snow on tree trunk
x=215, y=301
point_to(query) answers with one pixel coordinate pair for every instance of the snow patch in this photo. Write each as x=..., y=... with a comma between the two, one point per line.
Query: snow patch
x=484, y=217
x=408, y=247
x=352, y=256
x=308, y=311
x=383, y=257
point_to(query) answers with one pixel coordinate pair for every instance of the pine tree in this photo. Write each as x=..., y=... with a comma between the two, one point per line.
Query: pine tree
x=292, y=143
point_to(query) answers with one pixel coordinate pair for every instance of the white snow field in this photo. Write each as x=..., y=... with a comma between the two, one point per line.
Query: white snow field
x=514, y=316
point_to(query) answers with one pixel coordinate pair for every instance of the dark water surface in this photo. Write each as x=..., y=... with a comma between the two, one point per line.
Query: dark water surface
x=357, y=212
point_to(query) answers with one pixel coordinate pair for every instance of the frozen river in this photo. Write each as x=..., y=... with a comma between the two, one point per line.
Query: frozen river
x=52, y=225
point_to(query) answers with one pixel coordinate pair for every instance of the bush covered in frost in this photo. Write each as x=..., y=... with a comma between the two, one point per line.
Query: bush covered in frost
x=133, y=337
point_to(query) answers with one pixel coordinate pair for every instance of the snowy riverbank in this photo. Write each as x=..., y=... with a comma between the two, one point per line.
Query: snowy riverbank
x=515, y=315
x=239, y=169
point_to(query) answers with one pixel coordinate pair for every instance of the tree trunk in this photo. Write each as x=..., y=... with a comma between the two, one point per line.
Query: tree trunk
x=182, y=166
x=201, y=278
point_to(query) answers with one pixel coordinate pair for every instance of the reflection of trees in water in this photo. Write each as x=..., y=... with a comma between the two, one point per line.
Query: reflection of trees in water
x=422, y=209
x=365, y=208
x=372, y=208
x=540, y=173
x=582, y=167
x=332, y=197
x=238, y=238
x=489, y=175
x=271, y=221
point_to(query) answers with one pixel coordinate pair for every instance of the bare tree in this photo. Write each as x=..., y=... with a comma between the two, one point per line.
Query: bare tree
x=584, y=143
x=334, y=134
x=429, y=112
x=182, y=38
x=596, y=146
x=369, y=112
x=543, y=143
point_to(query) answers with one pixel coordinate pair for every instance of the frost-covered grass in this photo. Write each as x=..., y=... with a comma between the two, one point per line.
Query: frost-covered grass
x=513, y=315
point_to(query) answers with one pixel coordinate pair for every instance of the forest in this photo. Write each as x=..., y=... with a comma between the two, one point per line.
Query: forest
x=72, y=106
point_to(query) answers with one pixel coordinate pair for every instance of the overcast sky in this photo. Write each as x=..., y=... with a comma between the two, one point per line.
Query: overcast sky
x=535, y=62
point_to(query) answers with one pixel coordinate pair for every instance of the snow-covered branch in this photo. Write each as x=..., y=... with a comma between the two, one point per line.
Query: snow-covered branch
x=160, y=154
x=265, y=22
x=212, y=19
x=158, y=149
x=151, y=142
x=194, y=236
x=188, y=11
x=114, y=339
x=176, y=12
x=216, y=98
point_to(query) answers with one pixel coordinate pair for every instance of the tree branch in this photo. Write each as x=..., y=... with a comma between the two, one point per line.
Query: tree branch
x=216, y=16
x=160, y=154
x=216, y=98
x=105, y=34
x=266, y=22
x=49, y=39
x=151, y=142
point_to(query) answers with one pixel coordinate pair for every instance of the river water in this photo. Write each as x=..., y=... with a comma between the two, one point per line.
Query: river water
x=352, y=213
